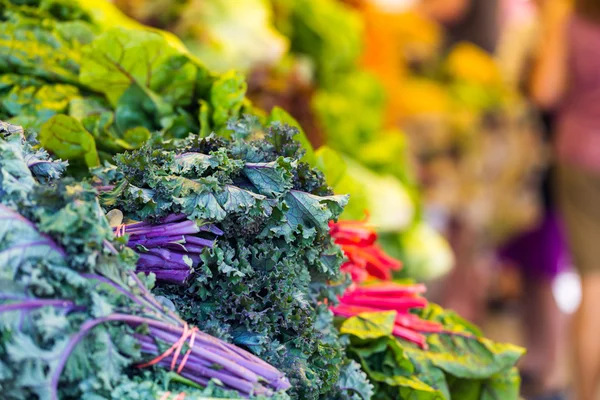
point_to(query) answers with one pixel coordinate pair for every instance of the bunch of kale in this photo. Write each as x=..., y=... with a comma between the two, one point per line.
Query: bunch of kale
x=262, y=284
x=74, y=318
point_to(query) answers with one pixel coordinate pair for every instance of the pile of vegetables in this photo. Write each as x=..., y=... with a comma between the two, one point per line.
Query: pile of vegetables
x=274, y=260
x=190, y=247
x=410, y=348
x=75, y=318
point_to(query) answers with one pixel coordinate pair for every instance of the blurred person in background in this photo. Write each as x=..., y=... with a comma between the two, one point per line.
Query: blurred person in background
x=566, y=78
x=540, y=253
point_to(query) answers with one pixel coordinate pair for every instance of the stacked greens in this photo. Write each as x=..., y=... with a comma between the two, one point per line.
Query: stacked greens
x=260, y=285
x=75, y=319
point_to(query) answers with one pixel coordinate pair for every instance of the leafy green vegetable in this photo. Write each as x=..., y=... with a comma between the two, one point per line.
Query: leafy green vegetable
x=121, y=57
x=327, y=31
x=69, y=139
x=459, y=363
x=370, y=325
x=280, y=115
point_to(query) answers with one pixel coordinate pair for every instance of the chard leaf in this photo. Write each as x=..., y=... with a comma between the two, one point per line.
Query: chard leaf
x=390, y=370
x=34, y=50
x=136, y=137
x=427, y=372
x=38, y=102
x=370, y=325
x=139, y=107
x=503, y=385
x=67, y=138
x=121, y=57
x=471, y=357
x=467, y=389
x=462, y=352
x=408, y=387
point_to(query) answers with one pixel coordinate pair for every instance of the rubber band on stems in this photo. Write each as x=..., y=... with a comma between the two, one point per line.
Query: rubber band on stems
x=188, y=333
x=119, y=230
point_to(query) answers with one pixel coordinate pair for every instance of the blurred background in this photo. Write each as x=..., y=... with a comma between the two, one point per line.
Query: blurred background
x=424, y=112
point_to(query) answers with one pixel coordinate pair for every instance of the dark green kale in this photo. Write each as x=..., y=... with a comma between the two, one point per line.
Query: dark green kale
x=260, y=285
x=75, y=320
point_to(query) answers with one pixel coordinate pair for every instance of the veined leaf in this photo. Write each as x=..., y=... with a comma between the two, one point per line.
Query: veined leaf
x=272, y=178
x=461, y=351
x=503, y=385
x=370, y=325
x=121, y=57
x=312, y=211
x=234, y=199
x=67, y=138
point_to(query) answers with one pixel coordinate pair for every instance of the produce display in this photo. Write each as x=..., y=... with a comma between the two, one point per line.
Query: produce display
x=273, y=261
x=164, y=238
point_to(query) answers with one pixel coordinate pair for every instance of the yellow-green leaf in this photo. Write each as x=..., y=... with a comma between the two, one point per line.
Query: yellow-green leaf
x=67, y=138
x=370, y=325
